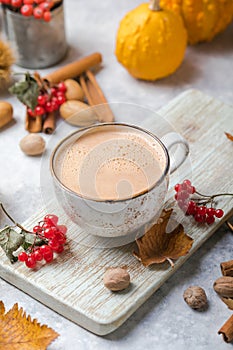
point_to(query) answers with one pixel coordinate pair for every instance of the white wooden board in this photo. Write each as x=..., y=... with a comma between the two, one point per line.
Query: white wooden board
x=73, y=286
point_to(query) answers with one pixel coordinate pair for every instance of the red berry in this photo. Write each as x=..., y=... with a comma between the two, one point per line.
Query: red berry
x=28, y=2
x=199, y=218
x=60, y=237
x=49, y=107
x=219, y=213
x=187, y=182
x=210, y=220
x=44, y=249
x=38, y=12
x=39, y=110
x=183, y=204
x=47, y=16
x=46, y=225
x=182, y=195
x=192, y=208
x=48, y=256
x=193, y=189
x=210, y=211
x=59, y=249
x=31, y=113
x=16, y=3
x=53, y=244
x=51, y=218
x=45, y=6
x=22, y=256
x=62, y=87
x=201, y=210
x=61, y=100
x=62, y=229
x=177, y=187
x=38, y=255
x=42, y=99
x=60, y=93
x=55, y=104
x=38, y=1
x=50, y=232
x=26, y=10
x=54, y=91
x=37, y=229
x=31, y=261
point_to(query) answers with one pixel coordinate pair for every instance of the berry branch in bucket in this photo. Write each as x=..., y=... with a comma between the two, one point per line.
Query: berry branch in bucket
x=39, y=9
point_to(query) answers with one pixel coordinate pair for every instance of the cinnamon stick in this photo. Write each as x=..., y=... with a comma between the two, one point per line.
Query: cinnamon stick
x=33, y=125
x=227, y=268
x=227, y=330
x=95, y=96
x=49, y=123
x=74, y=69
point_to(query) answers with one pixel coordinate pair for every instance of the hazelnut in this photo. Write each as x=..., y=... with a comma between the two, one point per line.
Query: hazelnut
x=116, y=279
x=32, y=145
x=195, y=297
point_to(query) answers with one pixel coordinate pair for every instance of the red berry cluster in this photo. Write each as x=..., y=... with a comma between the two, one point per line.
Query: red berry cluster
x=49, y=101
x=197, y=207
x=54, y=238
x=40, y=9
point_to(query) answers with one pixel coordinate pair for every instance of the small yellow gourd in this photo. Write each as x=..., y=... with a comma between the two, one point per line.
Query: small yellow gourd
x=203, y=19
x=151, y=42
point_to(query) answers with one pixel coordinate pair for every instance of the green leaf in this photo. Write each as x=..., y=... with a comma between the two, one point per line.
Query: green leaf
x=10, y=241
x=27, y=91
x=29, y=239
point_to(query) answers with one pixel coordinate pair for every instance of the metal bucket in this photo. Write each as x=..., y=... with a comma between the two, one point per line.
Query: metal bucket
x=38, y=44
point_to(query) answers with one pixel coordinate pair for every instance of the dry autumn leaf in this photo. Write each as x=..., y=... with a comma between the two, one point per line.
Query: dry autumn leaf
x=157, y=246
x=229, y=136
x=18, y=332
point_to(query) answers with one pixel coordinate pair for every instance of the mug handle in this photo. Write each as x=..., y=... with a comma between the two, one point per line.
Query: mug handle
x=173, y=139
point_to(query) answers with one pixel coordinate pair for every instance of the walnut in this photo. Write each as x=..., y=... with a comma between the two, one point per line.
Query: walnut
x=116, y=279
x=195, y=297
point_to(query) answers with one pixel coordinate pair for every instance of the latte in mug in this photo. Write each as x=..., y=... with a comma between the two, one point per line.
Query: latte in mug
x=112, y=163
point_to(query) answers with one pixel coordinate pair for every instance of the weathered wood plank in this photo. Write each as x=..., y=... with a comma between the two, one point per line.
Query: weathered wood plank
x=73, y=287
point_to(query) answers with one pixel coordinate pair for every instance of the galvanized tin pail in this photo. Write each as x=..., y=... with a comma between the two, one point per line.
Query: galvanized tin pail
x=38, y=44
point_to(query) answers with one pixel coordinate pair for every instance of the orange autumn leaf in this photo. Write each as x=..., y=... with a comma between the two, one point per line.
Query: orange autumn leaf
x=229, y=136
x=19, y=332
x=157, y=246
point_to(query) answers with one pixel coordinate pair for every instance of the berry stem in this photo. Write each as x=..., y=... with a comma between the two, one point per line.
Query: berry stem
x=10, y=217
x=215, y=195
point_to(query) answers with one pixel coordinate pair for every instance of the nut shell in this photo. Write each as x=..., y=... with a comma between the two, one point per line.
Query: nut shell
x=116, y=279
x=6, y=113
x=32, y=145
x=73, y=90
x=195, y=297
x=223, y=286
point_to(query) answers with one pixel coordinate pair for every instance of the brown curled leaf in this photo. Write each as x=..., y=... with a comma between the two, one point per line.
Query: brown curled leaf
x=229, y=136
x=157, y=246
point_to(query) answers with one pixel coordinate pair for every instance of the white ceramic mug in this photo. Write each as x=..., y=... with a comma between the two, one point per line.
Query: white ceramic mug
x=123, y=217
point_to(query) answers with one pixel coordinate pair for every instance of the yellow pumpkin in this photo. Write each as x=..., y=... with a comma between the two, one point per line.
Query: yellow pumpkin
x=151, y=43
x=203, y=18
